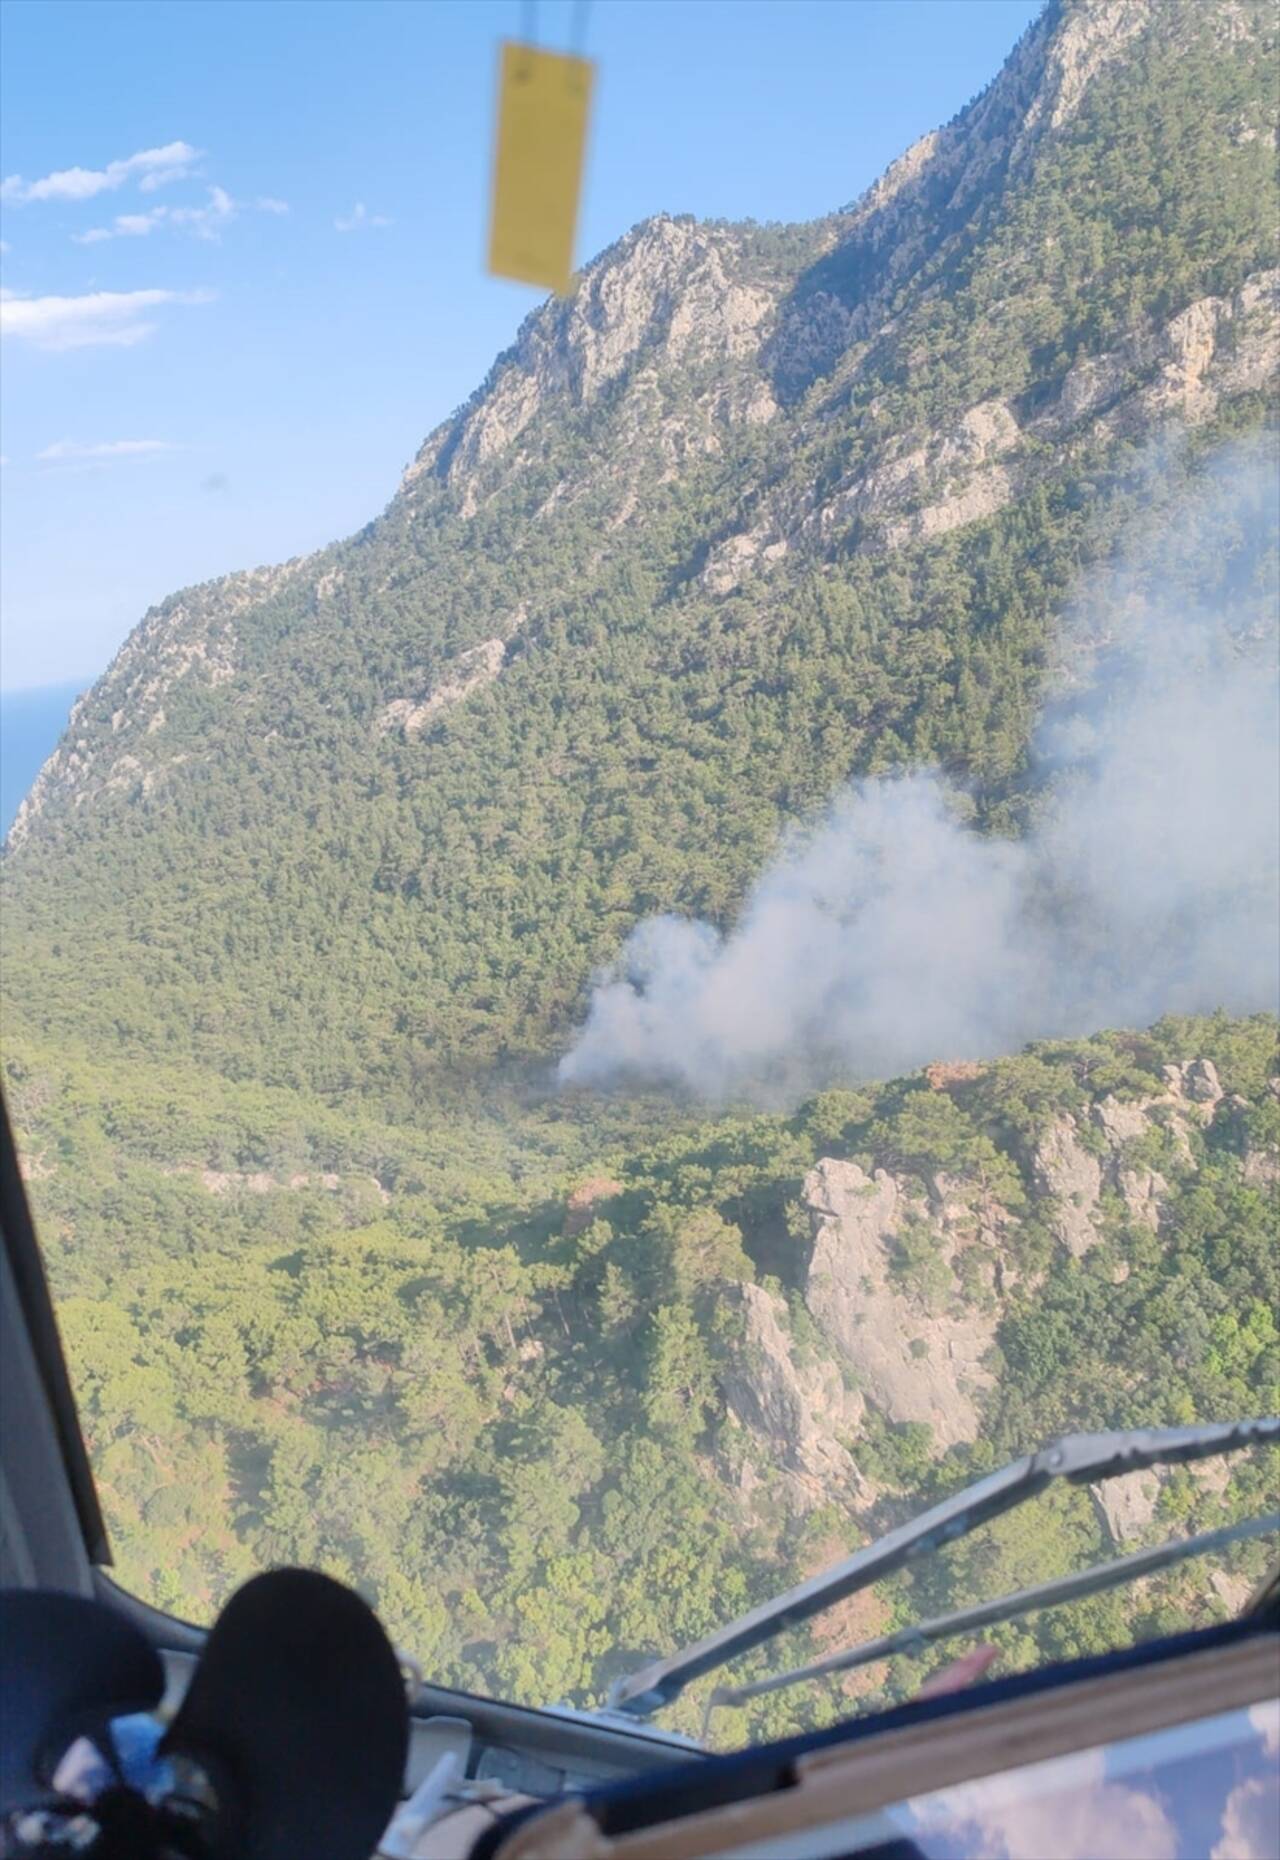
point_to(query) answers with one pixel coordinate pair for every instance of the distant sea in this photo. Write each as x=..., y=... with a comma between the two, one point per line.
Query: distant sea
x=30, y=724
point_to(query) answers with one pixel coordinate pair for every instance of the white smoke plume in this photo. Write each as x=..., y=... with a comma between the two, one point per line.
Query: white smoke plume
x=894, y=934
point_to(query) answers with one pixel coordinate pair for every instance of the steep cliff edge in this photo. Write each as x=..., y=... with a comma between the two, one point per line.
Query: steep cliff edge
x=905, y=1278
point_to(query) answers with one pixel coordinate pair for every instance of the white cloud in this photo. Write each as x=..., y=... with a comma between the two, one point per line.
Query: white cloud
x=162, y=177
x=1265, y=1719
x=124, y=226
x=79, y=450
x=267, y=203
x=1064, y=1809
x=4, y=245
x=202, y=222
x=358, y=218
x=1251, y=1814
x=1250, y=1821
x=151, y=167
x=205, y=219
x=113, y=318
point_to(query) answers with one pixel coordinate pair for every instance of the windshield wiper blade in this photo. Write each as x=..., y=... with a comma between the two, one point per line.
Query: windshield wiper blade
x=1052, y=1594
x=1081, y=1458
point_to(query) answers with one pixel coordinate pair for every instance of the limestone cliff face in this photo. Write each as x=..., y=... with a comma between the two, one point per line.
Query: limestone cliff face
x=1072, y=1166
x=668, y=294
x=914, y=1363
x=805, y=1410
x=920, y=1349
x=912, y=490
x=731, y=368
x=468, y=672
x=191, y=637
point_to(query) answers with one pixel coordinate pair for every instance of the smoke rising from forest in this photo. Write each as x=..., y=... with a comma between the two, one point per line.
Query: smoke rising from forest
x=894, y=934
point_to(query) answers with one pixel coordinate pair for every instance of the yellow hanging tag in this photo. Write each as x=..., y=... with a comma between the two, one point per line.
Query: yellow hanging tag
x=543, y=100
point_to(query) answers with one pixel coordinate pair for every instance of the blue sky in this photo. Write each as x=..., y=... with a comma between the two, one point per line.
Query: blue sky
x=298, y=192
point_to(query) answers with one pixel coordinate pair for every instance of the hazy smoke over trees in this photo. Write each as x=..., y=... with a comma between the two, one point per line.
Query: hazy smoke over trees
x=893, y=934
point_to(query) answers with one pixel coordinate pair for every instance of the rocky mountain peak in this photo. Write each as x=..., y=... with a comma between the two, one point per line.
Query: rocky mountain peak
x=667, y=293
x=673, y=291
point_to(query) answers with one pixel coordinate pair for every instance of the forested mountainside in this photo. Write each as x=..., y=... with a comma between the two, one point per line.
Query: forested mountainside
x=308, y=902
x=564, y=1390
x=754, y=510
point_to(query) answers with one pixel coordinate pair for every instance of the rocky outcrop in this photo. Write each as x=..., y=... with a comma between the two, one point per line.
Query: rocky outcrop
x=1197, y=1080
x=669, y=292
x=1072, y=1177
x=888, y=232
x=191, y=635
x=1261, y=1169
x=802, y=1414
x=1181, y=371
x=1126, y=1506
x=470, y=671
x=1234, y=1592
x=919, y=1348
x=1073, y=1169
x=263, y=1182
x=913, y=1363
x=883, y=237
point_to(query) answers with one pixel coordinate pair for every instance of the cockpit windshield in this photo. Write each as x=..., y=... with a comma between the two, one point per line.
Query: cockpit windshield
x=641, y=923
